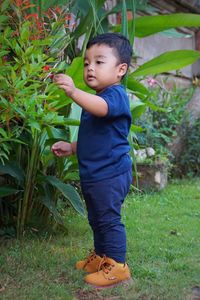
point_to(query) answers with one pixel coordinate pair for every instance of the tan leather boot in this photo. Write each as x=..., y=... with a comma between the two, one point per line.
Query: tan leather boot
x=109, y=274
x=90, y=264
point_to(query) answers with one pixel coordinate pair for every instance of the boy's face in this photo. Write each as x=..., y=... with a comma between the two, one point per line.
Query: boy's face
x=101, y=67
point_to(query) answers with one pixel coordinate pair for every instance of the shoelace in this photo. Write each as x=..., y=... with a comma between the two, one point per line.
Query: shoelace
x=90, y=257
x=104, y=265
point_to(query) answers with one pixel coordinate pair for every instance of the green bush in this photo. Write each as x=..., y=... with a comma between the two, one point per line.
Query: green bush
x=32, y=118
x=161, y=118
x=190, y=160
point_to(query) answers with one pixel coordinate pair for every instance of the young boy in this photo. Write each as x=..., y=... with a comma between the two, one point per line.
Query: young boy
x=103, y=154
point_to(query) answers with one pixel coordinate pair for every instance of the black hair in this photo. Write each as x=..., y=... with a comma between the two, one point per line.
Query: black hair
x=118, y=42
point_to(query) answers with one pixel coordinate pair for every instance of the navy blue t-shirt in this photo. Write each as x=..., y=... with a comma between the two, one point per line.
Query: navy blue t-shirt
x=103, y=148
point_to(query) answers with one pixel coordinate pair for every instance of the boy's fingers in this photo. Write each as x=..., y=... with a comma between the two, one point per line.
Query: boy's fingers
x=54, y=147
x=57, y=153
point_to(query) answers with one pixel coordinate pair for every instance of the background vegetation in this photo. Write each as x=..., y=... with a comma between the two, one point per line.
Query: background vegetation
x=39, y=39
x=38, y=193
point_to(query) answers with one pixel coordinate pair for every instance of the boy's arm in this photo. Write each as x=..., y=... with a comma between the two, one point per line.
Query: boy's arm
x=91, y=103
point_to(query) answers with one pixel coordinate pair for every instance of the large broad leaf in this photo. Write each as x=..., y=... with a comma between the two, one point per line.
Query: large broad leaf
x=3, y=140
x=137, y=108
x=139, y=6
x=56, y=133
x=148, y=25
x=7, y=191
x=14, y=170
x=137, y=88
x=68, y=192
x=90, y=12
x=48, y=201
x=168, y=61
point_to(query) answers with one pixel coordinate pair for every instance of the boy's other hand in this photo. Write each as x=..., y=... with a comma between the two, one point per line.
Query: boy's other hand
x=62, y=149
x=65, y=82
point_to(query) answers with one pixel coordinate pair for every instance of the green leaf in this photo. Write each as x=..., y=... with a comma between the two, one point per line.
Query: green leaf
x=34, y=124
x=168, y=61
x=4, y=52
x=148, y=25
x=135, y=128
x=5, y=5
x=25, y=31
x=74, y=114
x=6, y=191
x=11, y=140
x=3, y=132
x=137, y=108
x=68, y=192
x=124, y=28
x=138, y=89
x=48, y=201
x=89, y=11
x=56, y=133
x=12, y=169
x=60, y=44
x=131, y=26
x=155, y=107
x=72, y=122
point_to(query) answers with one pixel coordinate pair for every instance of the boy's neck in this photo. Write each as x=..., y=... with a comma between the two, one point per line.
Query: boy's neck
x=117, y=83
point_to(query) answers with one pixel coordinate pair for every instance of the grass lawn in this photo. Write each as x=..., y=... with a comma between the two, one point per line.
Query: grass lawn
x=163, y=231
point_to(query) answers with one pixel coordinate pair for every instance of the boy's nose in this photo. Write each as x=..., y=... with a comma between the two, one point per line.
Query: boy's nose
x=90, y=67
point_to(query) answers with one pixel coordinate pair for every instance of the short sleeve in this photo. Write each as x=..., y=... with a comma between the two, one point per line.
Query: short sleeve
x=117, y=101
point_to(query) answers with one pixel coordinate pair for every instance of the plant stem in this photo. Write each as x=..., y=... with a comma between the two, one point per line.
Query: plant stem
x=29, y=184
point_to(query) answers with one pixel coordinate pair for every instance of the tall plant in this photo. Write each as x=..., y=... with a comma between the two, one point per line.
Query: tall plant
x=40, y=38
x=30, y=107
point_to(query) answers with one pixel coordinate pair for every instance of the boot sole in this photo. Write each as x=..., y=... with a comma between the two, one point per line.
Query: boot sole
x=123, y=282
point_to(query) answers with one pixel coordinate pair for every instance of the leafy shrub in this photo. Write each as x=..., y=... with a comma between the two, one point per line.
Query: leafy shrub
x=159, y=122
x=31, y=118
x=190, y=159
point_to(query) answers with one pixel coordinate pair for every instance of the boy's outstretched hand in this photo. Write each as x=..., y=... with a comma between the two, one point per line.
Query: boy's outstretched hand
x=62, y=149
x=65, y=82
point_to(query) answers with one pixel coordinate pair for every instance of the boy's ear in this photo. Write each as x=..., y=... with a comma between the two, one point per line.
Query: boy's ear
x=122, y=69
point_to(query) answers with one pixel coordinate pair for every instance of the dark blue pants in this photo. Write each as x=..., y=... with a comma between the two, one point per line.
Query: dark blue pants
x=104, y=200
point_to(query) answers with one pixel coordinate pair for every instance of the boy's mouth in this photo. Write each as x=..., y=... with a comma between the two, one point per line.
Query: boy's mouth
x=90, y=77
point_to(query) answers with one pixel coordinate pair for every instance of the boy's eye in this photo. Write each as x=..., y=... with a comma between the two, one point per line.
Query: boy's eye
x=99, y=62
x=86, y=64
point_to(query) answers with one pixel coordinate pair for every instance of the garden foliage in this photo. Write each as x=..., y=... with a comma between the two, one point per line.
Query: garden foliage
x=189, y=162
x=162, y=117
x=38, y=39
